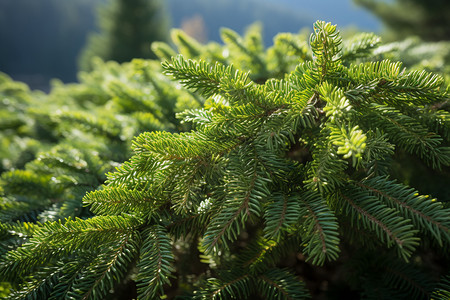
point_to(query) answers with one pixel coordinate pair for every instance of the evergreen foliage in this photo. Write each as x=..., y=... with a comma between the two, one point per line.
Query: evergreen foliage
x=58, y=147
x=279, y=161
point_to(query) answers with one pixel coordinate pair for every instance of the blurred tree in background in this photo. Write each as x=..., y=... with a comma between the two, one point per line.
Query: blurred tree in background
x=427, y=19
x=128, y=27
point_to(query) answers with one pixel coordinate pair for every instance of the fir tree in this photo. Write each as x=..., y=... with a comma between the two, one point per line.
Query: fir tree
x=290, y=155
x=128, y=27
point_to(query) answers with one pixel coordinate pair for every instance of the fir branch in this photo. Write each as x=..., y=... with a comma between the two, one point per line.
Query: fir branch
x=425, y=213
x=246, y=189
x=90, y=123
x=338, y=107
x=236, y=121
x=442, y=291
x=420, y=87
x=230, y=285
x=277, y=133
x=257, y=256
x=409, y=134
x=62, y=239
x=27, y=183
x=116, y=201
x=40, y=287
x=382, y=72
x=350, y=142
x=377, y=156
x=281, y=213
x=133, y=98
x=325, y=172
x=198, y=117
x=106, y=269
x=183, y=146
x=229, y=83
x=319, y=229
x=130, y=173
x=326, y=45
x=399, y=276
x=204, y=76
x=196, y=224
x=263, y=175
x=380, y=275
x=262, y=254
x=23, y=230
x=251, y=48
x=437, y=120
x=296, y=47
x=69, y=273
x=156, y=262
x=360, y=45
x=163, y=50
x=368, y=212
x=385, y=82
x=186, y=45
x=281, y=284
x=20, y=208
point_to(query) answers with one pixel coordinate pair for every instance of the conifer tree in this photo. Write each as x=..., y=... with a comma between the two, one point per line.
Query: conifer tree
x=127, y=29
x=282, y=154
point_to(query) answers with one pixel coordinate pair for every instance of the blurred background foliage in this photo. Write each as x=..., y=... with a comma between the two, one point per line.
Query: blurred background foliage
x=48, y=39
x=45, y=39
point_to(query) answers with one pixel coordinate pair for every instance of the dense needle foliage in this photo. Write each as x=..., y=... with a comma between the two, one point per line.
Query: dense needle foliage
x=281, y=172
